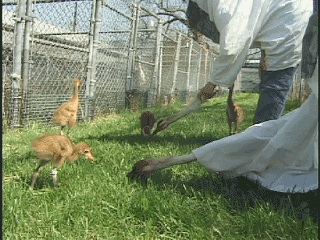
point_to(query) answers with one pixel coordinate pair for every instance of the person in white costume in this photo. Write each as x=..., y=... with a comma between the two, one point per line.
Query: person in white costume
x=276, y=26
x=282, y=154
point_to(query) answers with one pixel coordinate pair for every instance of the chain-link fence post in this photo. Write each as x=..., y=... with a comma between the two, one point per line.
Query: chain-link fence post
x=205, y=65
x=88, y=103
x=17, y=53
x=199, y=69
x=93, y=44
x=176, y=64
x=189, y=68
x=156, y=71
x=160, y=72
x=132, y=54
x=26, y=58
x=209, y=67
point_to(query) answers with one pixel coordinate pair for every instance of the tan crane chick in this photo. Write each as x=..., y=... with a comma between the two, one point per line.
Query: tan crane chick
x=148, y=120
x=235, y=113
x=57, y=148
x=66, y=115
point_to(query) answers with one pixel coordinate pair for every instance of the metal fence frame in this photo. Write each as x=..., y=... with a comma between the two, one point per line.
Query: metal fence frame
x=45, y=58
x=134, y=65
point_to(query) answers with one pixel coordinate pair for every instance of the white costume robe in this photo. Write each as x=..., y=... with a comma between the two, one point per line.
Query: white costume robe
x=281, y=154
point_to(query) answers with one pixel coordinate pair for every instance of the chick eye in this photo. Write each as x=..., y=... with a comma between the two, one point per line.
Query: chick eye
x=86, y=151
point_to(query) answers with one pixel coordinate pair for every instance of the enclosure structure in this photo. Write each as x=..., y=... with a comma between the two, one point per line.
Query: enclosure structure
x=121, y=51
x=124, y=53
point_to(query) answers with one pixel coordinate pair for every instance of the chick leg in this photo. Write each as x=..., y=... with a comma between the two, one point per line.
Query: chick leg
x=57, y=163
x=37, y=172
x=62, y=127
x=54, y=177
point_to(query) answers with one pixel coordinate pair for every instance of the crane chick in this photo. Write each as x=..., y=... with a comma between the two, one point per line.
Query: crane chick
x=148, y=119
x=66, y=115
x=235, y=113
x=58, y=149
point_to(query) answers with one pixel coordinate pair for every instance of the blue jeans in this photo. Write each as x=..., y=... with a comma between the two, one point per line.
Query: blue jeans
x=274, y=90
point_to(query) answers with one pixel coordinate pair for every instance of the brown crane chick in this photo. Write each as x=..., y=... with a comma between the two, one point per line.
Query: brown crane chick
x=57, y=148
x=148, y=119
x=66, y=115
x=235, y=113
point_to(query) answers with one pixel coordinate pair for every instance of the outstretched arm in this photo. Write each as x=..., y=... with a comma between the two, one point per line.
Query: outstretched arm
x=207, y=92
x=145, y=167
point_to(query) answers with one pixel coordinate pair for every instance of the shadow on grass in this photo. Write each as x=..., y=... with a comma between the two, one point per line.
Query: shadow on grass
x=19, y=158
x=242, y=194
x=43, y=182
x=140, y=139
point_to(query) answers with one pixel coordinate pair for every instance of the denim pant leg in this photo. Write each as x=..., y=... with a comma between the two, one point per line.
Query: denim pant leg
x=274, y=92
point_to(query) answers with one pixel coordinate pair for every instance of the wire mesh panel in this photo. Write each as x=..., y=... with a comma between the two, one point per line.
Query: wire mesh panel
x=183, y=66
x=6, y=85
x=122, y=52
x=52, y=81
x=168, y=52
x=8, y=14
x=112, y=57
x=203, y=67
x=59, y=54
x=195, y=68
x=145, y=78
x=186, y=66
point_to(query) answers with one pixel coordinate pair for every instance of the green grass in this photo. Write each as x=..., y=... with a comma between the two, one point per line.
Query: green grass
x=97, y=201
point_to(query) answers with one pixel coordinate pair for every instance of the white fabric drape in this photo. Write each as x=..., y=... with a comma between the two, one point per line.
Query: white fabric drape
x=281, y=154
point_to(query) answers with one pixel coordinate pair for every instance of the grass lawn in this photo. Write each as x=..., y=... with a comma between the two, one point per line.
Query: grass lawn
x=97, y=201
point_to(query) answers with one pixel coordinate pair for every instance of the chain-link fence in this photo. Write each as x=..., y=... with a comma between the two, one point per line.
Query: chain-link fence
x=185, y=65
x=124, y=53
x=7, y=63
x=119, y=49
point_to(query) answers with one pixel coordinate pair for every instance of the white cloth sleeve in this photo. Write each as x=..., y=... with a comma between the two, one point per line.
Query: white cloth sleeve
x=277, y=26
